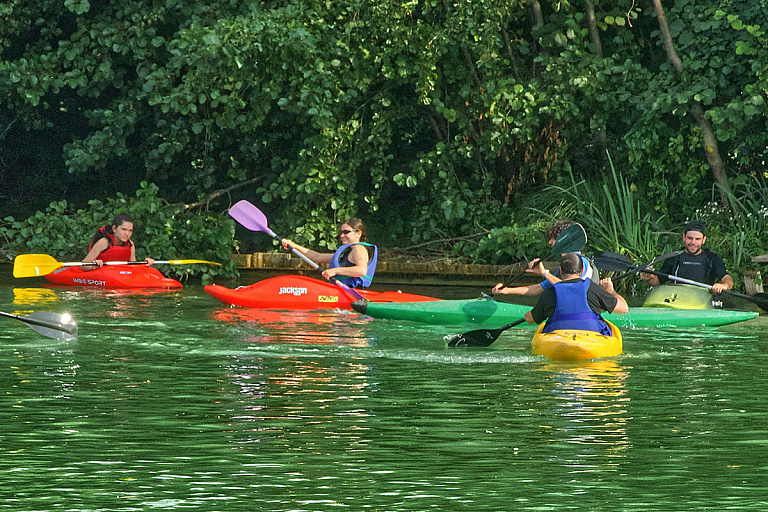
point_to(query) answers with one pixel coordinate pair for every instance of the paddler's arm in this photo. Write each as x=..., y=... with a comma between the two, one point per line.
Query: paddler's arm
x=100, y=245
x=528, y=317
x=317, y=257
x=532, y=290
x=726, y=283
x=621, y=304
x=537, y=267
x=148, y=261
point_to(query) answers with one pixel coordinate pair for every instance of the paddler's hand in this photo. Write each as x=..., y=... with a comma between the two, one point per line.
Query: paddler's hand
x=149, y=262
x=498, y=289
x=536, y=266
x=287, y=244
x=607, y=284
x=719, y=288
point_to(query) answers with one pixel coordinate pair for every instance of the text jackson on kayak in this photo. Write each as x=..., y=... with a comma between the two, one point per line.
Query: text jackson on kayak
x=113, y=243
x=354, y=263
x=696, y=263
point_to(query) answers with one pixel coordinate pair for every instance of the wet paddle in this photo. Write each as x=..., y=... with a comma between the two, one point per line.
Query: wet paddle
x=47, y=323
x=611, y=261
x=480, y=337
x=571, y=239
x=33, y=265
x=615, y=262
x=253, y=219
x=644, y=266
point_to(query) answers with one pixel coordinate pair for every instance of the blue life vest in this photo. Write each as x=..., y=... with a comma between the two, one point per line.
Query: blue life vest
x=572, y=310
x=339, y=259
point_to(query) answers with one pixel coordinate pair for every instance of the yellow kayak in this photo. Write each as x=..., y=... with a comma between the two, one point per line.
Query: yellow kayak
x=575, y=345
x=682, y=296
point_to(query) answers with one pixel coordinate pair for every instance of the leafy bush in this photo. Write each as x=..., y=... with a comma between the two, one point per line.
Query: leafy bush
x=162, y=231
x=512, y=243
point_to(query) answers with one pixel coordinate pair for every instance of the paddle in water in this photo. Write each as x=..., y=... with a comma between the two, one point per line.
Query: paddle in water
x=47, y=323
x=34, y=265
x=571, y=239
x=479, y=337
x=253, y=219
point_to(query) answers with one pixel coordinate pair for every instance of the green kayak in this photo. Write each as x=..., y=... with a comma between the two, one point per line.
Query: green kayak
x=491, y=312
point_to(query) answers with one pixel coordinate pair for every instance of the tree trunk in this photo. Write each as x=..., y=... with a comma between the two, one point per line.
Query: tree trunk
x=697, y=111
x=537, y=20
x=601, y=139
x=594, y=34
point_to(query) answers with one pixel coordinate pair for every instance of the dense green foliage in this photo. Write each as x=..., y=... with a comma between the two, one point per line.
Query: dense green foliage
x=433, y=120
x=162, y=231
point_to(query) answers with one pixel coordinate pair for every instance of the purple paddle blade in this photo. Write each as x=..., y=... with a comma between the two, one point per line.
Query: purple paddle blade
x=250, y=217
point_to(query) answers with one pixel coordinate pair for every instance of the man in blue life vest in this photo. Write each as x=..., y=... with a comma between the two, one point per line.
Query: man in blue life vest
x=696, y=263
x=576, y=303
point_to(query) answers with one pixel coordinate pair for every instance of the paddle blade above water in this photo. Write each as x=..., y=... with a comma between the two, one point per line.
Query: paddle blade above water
x=571, y=239
x=250, y=217
x=186, y=262
x=34, y=265
x=611, y=261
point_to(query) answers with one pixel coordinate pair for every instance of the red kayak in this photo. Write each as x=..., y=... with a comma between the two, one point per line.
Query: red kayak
x=112, y=276
x=301, y=292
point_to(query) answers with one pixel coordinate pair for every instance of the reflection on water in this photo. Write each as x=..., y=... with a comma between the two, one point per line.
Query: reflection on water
x=322, y=327
x=591, y=409
x=171, y=401
x=37, y=297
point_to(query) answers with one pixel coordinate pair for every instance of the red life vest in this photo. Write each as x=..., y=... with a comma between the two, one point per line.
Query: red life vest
x=113, y=252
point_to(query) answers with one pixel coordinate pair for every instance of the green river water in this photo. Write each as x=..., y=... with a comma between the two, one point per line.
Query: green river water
x=171, y=401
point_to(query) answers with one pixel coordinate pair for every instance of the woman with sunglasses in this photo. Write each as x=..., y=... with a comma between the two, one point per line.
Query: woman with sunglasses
x=353, y=263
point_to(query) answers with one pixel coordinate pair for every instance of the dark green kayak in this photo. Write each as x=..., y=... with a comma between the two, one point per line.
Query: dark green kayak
x=491, y=312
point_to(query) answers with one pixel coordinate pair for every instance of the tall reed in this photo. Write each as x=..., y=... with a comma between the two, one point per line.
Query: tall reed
x=610, y=211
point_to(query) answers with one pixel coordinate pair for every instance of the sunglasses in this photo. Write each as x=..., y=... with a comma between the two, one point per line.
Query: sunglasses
x=346, y=231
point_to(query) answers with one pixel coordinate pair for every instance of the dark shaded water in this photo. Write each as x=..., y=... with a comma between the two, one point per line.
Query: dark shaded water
x=169, y=401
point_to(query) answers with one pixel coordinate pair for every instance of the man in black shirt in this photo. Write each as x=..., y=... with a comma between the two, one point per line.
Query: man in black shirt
x=696, y=263
x=576, y=303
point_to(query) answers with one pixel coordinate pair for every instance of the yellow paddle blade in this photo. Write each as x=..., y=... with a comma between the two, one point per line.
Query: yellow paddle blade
x=33, y=265
x=187, y=262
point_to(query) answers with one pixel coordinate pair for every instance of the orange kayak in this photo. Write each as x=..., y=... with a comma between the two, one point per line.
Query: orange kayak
x=112, y=276
x=301, y=292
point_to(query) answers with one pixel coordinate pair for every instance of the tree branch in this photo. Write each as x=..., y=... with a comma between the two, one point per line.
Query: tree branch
x=216, y=193
x=443, y=240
